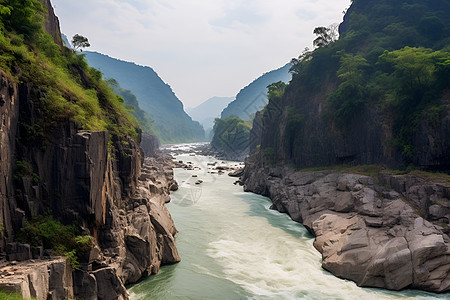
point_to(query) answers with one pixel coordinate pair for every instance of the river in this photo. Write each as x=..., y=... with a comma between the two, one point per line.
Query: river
x=233, y=246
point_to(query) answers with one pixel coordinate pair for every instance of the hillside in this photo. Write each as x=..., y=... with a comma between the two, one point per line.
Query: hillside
x=155, y=97
x=325, y=147
x=71, y=167
x=206, y=112
x=378, y=95
x=254, y=96
x=132, y=105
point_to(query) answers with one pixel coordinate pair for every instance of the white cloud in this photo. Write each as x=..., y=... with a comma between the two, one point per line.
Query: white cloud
x=201, y=48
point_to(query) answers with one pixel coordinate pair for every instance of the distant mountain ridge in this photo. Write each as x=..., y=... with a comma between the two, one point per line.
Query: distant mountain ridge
x=156, y=97
x=206, y=112
x=253, y=97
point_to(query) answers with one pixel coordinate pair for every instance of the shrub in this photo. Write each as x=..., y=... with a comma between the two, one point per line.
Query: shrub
x=51, y=234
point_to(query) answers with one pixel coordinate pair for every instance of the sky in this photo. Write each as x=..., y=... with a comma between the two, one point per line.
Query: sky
x=201, y=48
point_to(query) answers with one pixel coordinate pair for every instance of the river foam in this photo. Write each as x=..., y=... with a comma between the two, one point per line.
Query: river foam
x=234, y=247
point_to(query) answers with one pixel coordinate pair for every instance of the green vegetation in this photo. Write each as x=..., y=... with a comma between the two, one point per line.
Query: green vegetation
x=80, y=42
x=132, y=105
x=392, y=56
x=276, y=90
x=24, y=169
x=231, y=135
x=156, y=98
x=11, y=296
x=69, y=88
x=51, y=234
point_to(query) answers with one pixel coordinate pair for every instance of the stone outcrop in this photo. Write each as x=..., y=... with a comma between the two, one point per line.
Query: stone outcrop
x=9, y=113
x=100, y=182
x=367, y=231
x=52, y=22
x=117, y=197
x=150, y=144
x=45, y=279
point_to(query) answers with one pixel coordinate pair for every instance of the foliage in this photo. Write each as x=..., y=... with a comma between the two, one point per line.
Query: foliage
x=155, y=97
x=80, y=42
x=70, y=89
x=51, y=234
x=253, y=97
x=231, y=134
x=11, y=296
x=131, y=103
x=325, y=35
x=392, y=58
x=276, y=90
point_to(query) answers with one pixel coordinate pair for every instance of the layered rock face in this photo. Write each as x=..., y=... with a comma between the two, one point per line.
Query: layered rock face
x=48, y=279
x=110, y=193
x=368, y=233
x=52, y=22
x=118, y=198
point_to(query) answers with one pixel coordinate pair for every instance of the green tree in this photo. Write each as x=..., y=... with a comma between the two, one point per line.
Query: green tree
x=80, y=42
x=352, y=67
x=325, y=35
x=415, y=67
x=276, y=90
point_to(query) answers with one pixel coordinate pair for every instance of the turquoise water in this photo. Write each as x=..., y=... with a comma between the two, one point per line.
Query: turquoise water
x=233, y=247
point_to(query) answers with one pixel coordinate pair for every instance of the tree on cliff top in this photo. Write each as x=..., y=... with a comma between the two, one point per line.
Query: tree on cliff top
x=80, y=42
x=325, y=35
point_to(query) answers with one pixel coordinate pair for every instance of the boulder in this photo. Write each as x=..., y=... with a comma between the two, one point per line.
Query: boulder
x=367, y=233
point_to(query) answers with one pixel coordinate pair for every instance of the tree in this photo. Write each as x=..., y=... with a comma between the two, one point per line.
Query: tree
x=276, y=90
x=325, y=35
x=79, y=42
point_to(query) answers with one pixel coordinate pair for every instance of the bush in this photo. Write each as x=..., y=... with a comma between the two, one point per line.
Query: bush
x=51, y=234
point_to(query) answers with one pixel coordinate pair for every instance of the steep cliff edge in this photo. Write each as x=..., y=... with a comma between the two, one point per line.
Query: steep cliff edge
x=70, y=151
x=367, y=231
x=114, y=200
x=366, y=99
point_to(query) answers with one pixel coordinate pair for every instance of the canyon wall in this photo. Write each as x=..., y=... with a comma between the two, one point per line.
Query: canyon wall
x=99, y=182
x=386, y=232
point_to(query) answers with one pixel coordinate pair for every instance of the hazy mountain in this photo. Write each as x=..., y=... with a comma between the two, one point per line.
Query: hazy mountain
x=206, y=112
x=155, y=97
x=254, y=96
x=65, y=40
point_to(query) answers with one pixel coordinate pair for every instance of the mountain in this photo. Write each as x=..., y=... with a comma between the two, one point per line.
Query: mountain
x=324, y=147
x=132, y=105
x=254, y=96
x=206, y=112
x=155, y=97
x=375, y=96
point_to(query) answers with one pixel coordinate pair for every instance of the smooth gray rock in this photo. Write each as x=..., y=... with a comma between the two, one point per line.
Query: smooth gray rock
x=366, y=232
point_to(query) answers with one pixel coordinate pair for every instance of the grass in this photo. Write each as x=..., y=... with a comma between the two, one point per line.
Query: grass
x=70, y=88
x=51, y=234
x=11, y=296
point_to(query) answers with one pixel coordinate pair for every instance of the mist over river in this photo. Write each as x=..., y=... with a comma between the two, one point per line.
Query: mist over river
x=233, y=246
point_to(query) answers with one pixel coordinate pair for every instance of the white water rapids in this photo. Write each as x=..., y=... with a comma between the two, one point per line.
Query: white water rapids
x=233, y=246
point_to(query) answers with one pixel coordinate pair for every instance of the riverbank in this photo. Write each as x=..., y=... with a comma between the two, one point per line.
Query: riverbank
x=369, y=231
x=233, y=246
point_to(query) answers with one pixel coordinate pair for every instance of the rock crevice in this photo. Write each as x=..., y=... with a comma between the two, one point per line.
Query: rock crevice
x=115, y=195
x=372, y=234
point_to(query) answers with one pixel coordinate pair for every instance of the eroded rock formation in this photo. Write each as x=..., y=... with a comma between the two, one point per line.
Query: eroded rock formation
x=117, y=197
x=372, y=231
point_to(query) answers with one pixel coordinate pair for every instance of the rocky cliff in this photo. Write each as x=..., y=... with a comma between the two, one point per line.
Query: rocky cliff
x=387, y=232
x=96, y=181
x=351, y=101
x=119, y=201
x=155, y=97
